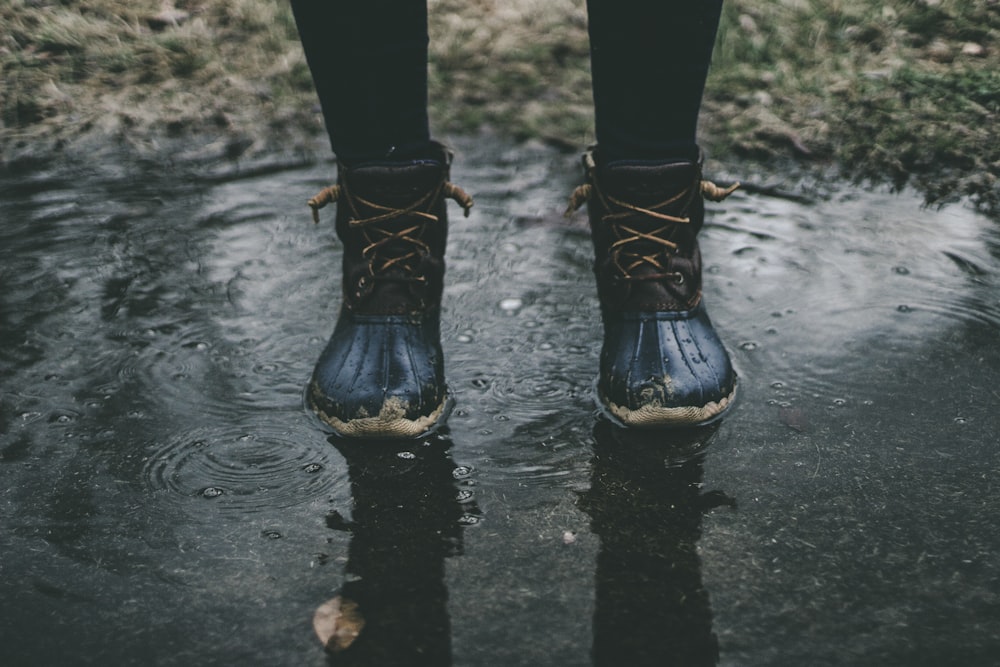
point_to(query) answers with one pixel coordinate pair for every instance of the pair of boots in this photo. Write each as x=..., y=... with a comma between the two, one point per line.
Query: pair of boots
x=382, y=372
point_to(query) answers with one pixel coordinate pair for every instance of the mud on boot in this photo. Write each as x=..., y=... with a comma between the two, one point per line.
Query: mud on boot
x=662, y=363
x=381, y=374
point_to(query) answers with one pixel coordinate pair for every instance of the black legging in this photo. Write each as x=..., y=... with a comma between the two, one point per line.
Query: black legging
x=369, y=62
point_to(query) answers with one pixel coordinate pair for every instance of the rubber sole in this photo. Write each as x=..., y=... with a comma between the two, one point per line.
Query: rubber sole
x=391, y=421
x=654, y=415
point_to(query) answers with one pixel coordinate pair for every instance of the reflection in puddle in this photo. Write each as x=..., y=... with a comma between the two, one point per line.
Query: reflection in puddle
x=410, y=503
x=646, y=504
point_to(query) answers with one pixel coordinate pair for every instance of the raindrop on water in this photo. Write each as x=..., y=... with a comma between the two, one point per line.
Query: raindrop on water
x=901, y=270
x=961, y=420
x=461, y=472
x=511, y=304
x=313, y=467
x=840, y=401
x=464, y=338
x=748, y=345
x=271, y=534
x=212, y=492
x=903, y=308
x=408, y=456
x=468, y=520
x=777, y=384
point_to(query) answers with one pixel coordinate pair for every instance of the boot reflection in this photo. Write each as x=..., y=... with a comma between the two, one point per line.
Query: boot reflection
x=646, y=504
x=408, y=512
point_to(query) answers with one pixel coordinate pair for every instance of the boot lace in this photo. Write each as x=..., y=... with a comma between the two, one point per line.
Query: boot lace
x=632, y=247
x=387, y=249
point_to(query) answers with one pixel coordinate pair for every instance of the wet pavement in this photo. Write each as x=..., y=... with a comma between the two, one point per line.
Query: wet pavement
x=165, y=499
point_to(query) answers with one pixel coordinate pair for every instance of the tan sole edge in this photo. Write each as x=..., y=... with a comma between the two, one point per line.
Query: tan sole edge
x=658, y=416
x=390, y=422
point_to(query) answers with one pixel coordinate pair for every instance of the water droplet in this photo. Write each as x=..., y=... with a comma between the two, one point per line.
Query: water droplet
x=464, y=496
x=867, y=402
x=840, y=401
x=545, y=346
x=575, y=349
x=212, y=492
x=511, y=304
x=468, y=520
x=748, y=345
x=460, y=472
x=408, y=456
x=903, y=308
x=480, y=383
x=961, y=420
x=777, y=384
x=501, y=418
x=313, y=467
x=776, y=314
x=772, y=401
x=271, y=534
x=464, y=338
x=901, y=270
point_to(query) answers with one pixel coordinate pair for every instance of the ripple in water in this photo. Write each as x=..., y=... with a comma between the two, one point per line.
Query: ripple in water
x=536, y=392
x=836, y=295
x=244, y=471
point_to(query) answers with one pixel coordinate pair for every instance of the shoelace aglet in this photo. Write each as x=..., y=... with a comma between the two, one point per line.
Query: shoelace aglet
x=579, y=197
x=325, y=196
x=713, y=192
x=459, y=195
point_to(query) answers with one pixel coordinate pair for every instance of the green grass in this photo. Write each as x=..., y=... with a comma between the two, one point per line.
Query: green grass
x=898, y=91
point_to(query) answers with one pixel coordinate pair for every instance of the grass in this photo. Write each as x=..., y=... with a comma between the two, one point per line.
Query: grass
x=898, y=91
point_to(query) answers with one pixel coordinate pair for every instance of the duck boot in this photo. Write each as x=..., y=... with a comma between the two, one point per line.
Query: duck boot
x=662, y=363
x=381, y=374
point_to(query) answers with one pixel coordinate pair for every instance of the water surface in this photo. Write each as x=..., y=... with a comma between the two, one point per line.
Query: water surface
x=166, y=500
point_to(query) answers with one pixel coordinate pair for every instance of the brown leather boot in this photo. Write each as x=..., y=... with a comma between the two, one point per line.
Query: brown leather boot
x=662, y=364
x=382, y=372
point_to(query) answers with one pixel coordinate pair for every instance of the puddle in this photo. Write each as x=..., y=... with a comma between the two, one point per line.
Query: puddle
x=166, y=499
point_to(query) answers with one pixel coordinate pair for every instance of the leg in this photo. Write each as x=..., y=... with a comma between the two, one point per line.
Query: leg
x=369, y=65
x=649, y=60
x=382, y=372
x=662, y=363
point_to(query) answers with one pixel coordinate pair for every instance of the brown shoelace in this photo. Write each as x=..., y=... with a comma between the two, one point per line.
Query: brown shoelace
x=626, y=260
x=378, y=237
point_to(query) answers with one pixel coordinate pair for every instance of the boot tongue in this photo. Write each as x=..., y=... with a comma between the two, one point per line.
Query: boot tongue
x=644, y=183
x=395, y=183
